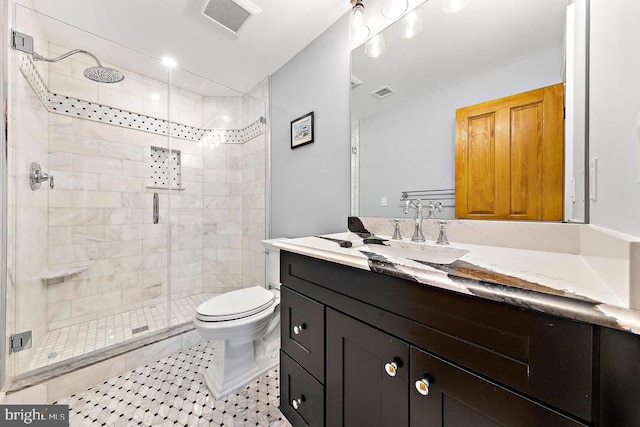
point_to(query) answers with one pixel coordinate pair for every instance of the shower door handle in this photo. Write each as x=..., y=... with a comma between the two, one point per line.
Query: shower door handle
x=156, y=208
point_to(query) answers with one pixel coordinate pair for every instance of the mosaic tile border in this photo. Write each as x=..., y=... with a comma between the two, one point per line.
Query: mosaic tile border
x=75, y=107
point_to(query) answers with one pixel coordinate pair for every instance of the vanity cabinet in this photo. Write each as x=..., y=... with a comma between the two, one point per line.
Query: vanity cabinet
x=384, y=342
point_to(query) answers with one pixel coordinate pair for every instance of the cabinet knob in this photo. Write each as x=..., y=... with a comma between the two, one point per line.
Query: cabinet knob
x=391, y=368
x=296, y=403
x=423, y=386
x=299, y=328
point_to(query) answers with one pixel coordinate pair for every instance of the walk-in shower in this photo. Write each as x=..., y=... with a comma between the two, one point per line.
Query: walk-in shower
x=91, y=265
x=99, y=74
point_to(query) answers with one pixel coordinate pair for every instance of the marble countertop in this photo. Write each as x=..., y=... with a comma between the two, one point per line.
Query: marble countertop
x=554, y=283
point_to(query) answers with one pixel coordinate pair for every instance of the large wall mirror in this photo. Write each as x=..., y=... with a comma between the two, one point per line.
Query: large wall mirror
x=408, y=81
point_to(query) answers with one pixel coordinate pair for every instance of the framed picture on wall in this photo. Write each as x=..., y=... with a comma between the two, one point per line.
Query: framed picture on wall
x=302, y=131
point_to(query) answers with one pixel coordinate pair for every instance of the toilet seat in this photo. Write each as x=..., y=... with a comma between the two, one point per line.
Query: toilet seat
x=235, y=305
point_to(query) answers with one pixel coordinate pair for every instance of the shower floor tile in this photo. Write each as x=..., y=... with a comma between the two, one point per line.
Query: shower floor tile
x=76, y=340
x=172, y=392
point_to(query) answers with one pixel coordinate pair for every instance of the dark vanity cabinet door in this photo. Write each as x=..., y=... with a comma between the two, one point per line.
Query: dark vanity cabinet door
x=359, y=391
x=301, y=395
x=445, y=395
x=619, y=378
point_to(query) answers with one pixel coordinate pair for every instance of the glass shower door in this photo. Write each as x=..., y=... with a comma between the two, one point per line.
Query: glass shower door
x=88, y=267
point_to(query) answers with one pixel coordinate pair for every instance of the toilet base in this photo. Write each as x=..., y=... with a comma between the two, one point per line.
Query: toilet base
x=234, y=367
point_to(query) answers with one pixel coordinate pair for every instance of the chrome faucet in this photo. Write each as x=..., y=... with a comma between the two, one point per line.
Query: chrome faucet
x=431, y=209
x=442, y=236
x=417, y=230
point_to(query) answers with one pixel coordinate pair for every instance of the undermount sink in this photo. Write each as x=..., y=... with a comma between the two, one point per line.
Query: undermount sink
x=426, y=252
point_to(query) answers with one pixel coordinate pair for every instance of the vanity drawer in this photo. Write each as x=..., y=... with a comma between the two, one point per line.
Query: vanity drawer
x=302, y=331
x=301, y=395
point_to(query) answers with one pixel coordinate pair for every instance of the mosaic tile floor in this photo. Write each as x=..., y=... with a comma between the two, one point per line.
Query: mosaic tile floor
x=172, y=392
x=65, y=343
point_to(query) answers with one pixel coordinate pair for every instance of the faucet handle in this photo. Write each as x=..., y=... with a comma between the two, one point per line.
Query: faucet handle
x=442, y=235
x=396, y=229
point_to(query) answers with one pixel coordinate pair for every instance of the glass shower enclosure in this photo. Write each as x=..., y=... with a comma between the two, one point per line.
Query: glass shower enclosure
x=128, y=203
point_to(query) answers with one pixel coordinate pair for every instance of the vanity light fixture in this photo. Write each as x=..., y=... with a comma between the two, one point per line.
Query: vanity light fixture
x=358, y=31
x=393, y=9
x=410, y=25
x=453, y=6
x=375, y=47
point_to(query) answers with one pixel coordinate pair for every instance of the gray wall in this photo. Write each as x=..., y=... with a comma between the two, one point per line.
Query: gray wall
x=614, y=113
x=310, y=185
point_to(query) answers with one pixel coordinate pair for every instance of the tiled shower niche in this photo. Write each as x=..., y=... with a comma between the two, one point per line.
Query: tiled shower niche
x=165, y=168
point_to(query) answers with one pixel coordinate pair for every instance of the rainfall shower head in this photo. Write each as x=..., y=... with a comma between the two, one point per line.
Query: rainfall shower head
x=103, y=74
x=100, y=74
x=24, y=43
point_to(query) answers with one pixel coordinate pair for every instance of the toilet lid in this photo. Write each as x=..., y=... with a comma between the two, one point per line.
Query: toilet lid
x=235, y=304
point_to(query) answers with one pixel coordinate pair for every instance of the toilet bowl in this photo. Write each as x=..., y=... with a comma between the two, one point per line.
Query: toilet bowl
x=238, y=323
x=243, y=327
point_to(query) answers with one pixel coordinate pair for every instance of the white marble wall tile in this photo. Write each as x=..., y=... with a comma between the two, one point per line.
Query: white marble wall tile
x=99, y=165
x=125, y=184
x=58, y=311
x=70, y=86
x=142, y=293
x=59, y=235
x=61, y=161
x=75, y=180
x=67, y=142
x=86, y=305
x=68, y=290
x=99, y=131
x=119, y=150
x=116, y=99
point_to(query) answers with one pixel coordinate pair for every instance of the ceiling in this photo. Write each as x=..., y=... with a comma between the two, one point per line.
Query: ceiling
x=140, y=32
x=452, y=48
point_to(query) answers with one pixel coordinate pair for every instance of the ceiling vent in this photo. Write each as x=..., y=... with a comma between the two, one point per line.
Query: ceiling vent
x=231, y=14
x=355, y=81
x=383, y=92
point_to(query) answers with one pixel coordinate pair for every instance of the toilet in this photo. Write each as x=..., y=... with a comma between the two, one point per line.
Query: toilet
x=244, y=329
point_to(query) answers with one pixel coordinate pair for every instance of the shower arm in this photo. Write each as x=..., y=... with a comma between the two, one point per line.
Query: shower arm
x=38, y=57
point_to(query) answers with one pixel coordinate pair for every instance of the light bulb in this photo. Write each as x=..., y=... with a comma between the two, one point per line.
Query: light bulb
x=410, y=25
x=169, y=62
x=394, y=8
x=375, y=47
x=358, y=31
x=453, y=6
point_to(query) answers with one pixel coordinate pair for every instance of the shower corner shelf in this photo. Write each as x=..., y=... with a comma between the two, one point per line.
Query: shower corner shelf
x=62, y=273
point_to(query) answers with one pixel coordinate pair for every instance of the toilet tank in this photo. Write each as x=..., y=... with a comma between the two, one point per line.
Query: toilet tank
x=273, y=263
